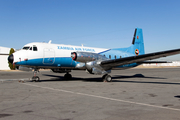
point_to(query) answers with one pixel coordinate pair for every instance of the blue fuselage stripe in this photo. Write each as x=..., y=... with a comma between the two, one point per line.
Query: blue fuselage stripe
x=59, y=62
x=54, y=62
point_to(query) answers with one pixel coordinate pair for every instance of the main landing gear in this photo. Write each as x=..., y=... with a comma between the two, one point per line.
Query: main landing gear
x=67, y=76
x=35, y=78
x=107, y=78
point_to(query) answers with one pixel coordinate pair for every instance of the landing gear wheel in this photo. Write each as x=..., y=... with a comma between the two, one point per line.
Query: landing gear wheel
x=35, y=79
x=67, y=76
x=103, y=77
x=107, y=78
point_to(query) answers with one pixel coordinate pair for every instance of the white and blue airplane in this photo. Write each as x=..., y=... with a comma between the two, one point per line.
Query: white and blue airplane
x=64, y=58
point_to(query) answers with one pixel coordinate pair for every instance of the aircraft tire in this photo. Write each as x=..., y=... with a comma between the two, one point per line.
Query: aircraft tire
x=103, y=77
x=35, y=79
x=67, y=76
x=107, y=78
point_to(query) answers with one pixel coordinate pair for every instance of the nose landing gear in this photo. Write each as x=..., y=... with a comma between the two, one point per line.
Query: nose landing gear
x=35, y=78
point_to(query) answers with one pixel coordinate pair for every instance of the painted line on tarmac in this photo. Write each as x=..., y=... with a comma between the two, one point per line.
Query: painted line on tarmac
x=106, y=98
x=22, y=79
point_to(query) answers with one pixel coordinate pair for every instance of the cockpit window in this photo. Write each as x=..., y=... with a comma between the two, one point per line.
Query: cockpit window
x=26, y=48
x=35, y=48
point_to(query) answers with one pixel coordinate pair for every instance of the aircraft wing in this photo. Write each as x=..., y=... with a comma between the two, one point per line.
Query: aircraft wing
x=139, y=58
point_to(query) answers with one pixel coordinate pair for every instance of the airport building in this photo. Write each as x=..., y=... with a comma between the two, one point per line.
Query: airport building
x=171, y=64
x=4, y=53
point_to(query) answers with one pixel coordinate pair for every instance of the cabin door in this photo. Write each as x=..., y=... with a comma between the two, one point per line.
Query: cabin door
x=49, y=56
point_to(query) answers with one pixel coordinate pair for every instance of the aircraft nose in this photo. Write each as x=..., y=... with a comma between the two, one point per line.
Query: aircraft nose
x=11, y=58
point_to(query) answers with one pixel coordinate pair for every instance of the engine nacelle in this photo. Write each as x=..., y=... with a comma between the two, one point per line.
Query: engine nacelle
x=94, y=68
x=86, y=57
x=92, y=62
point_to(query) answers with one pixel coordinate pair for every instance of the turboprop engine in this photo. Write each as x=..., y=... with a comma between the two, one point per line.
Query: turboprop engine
x=92, y=62
x=86, y=57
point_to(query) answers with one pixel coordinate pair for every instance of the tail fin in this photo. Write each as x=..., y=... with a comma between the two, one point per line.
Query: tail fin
x=137, y=46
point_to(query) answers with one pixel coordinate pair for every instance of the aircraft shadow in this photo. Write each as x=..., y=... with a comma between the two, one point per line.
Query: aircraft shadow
x=61, y=78
x=168, y=83
x=178, y=96
x=116, y=78
x=134, y=76
x=141, y=76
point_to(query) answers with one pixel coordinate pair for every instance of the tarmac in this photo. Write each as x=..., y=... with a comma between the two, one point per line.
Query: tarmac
x=134, y=94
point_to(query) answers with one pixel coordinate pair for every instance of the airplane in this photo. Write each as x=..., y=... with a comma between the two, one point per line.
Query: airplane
x=62, y=58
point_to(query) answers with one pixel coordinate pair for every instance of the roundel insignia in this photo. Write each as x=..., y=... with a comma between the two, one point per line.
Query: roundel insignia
x=137, y=52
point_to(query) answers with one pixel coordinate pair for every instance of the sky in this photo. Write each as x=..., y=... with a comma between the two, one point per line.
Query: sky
x=93, y=23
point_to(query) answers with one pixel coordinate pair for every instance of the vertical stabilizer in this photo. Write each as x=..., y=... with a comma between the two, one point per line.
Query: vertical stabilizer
x=138, y=43
x=137, y=47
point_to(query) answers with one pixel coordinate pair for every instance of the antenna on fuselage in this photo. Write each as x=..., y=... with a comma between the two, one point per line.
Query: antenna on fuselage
x=49, y=41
